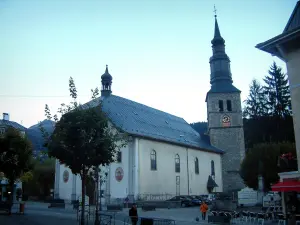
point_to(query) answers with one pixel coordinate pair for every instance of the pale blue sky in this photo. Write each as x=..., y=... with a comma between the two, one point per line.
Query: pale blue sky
x=157, y=50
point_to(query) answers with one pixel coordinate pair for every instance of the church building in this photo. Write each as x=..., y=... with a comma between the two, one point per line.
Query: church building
x=165, y=155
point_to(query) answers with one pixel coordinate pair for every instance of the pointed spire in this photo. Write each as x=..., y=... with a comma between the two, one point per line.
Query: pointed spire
x=217, y=30
x=217, y=35
x=106, y=70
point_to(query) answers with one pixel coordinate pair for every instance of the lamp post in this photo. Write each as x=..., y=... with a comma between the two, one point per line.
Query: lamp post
x=97, y=219
x=101, y=182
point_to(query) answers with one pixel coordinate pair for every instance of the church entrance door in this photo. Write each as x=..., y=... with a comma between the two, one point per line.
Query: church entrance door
x=177, y=185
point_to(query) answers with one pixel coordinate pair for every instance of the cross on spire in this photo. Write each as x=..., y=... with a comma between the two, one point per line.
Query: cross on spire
x=215, y=11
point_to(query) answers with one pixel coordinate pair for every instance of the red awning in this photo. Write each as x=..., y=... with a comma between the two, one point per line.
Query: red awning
x=287, y=186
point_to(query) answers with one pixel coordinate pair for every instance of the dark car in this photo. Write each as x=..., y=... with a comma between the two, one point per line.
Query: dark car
x=185, y=202
x=196, y=200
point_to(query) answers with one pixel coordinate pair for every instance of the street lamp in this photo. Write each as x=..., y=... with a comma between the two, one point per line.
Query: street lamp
x=102, y=180
x=97, y=220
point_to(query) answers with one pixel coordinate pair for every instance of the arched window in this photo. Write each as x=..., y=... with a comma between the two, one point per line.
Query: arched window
x=177, y=164
x=221, y=106
x=119, y=157
x=229, y=106
x=153, y=160
x=196, y=166
x=212, y=164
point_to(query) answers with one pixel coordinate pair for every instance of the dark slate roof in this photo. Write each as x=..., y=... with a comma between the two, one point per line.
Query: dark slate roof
x=12, y=124
x=294, y=21
x=223, y=87
x=291, y=33
x=141, y=120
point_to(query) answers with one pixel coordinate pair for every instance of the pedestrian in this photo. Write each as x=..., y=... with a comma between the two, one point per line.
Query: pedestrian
x=203, y=209
x=133, y=214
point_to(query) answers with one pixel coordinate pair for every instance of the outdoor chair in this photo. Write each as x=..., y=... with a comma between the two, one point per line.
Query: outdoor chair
x=245, y=216
x=261, y=218
x=235, y=217
x=281, y=219
x=214, y=213
x=252, y=217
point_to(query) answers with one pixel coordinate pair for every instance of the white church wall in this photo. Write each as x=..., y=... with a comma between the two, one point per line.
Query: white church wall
x=119, y=175
x=65, y=182
x=198, y=182
x=163, y=180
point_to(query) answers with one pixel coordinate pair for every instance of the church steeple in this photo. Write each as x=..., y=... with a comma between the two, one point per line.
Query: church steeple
x=106, y=80
x=217, y=40
x=220, y=77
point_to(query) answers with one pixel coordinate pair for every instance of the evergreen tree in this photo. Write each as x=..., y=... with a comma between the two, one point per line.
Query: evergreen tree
x=277, y=92
x=255, y=102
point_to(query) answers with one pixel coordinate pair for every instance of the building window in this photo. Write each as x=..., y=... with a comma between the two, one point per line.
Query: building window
x=177, y=164
x=119, y=156
x=196, y=166
x=221, y=106
x=212, y=164
x=153, y=160
x=2, y=130
x=229, y=106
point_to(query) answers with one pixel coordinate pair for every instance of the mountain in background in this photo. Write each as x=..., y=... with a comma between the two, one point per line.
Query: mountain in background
x=35, y=135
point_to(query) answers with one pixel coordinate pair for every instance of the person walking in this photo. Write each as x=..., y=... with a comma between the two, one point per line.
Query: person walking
x=133, y=214
x=203, y=209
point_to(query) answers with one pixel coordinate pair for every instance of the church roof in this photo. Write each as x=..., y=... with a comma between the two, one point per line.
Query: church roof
x=141, y=120
x=290, y=34
x=223, y=87
x=294, y=21
x=12, y=124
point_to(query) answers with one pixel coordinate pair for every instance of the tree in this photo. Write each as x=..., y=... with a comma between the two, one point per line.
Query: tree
x=277, y=92
x=42, y=178
x=83, y=138
x=255, y=102
x=263, y=159
x=15, y=156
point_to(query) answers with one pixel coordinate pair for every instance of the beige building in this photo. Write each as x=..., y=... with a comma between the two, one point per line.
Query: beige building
x=286, y=46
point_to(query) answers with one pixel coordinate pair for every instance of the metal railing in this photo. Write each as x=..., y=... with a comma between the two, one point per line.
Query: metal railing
x=90, y=217
x=154, y=197
x=148, y=221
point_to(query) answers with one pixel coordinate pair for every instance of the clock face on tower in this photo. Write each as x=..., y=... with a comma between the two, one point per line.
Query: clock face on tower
x=226, y=121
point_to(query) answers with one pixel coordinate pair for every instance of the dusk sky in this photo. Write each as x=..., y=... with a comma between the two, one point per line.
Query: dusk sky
x=157, y=50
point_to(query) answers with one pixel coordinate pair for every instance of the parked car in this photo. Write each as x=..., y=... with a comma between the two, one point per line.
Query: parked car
x=206, y=198
x=189, y=198
x=185, y=202
x=196, y=200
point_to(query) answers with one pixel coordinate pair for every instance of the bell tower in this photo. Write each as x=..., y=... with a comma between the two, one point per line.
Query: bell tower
x=224, y=112
x=106, y=81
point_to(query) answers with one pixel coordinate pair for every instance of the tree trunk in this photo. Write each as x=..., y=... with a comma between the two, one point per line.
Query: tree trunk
x=83, y=178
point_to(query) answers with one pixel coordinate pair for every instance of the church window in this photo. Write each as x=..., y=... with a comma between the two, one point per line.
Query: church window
x=2, y=130
x=177, y=164
x=153, y=160
x=212, y=164
x=229, y=106
x=119, y=156
x=196, y=166
x=221, y=106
